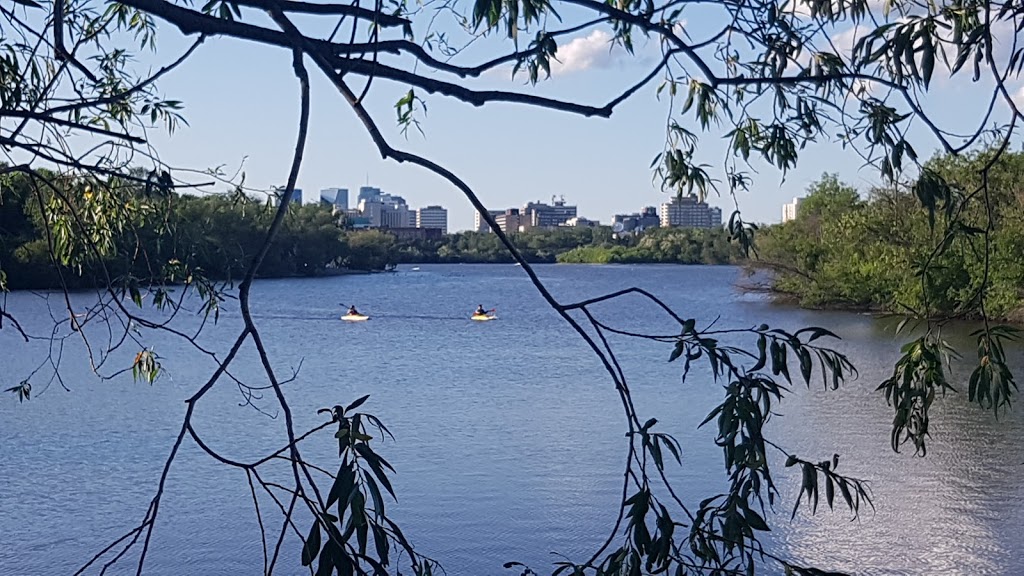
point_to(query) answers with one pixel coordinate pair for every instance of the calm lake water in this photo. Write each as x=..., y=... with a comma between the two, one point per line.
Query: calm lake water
x=509, y=435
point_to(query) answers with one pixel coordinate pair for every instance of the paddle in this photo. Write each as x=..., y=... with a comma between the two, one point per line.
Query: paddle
x=490, y=313
x=343, y=306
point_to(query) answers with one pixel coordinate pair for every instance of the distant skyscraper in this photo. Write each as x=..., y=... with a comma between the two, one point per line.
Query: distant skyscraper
x=789, y=211
x=384, y=210
x=646, y=218
x=480, y=225
x=435, y=217
x=689, y=212
x=336, y=197
x=540, y=215
x=279, y=192
x=371, y=210
x=509, y=221
x=368, y=193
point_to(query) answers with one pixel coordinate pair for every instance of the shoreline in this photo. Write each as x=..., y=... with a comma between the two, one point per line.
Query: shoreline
x=877, y=312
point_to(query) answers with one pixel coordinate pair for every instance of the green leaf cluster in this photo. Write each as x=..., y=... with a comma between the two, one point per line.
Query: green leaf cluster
x=929, y=249
x=354, y=514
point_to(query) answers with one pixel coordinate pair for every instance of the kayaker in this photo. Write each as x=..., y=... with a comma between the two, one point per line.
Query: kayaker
x=353, y=312
x=480, y=310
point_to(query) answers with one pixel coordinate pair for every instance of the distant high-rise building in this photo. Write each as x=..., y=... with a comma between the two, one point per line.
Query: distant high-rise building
x=396, y=213
x=335, y=197
x=371, y=210
x=789, y=210
x=368, y=193
x=581, y=222
x=509, y=221
x=384, y=210
x=480, y=225
x=278, y=193
x=689, y=212
x=540, y=215
x=396, y=216
x=435, y=217
x=715, y=216
x=636, y=222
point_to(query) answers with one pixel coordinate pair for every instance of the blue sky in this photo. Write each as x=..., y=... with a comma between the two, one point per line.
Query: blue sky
x=241, y=103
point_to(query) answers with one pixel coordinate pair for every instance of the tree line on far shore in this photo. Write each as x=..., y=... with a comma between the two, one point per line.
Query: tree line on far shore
x=578, y=245
x=844, y=250
x=171, y=236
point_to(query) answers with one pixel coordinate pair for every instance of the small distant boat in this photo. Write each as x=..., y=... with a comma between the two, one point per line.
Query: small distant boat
x=355, y=317
x=483, y=317
x=416, y=269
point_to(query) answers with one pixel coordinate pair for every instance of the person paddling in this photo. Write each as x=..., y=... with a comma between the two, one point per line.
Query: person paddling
x=480, y=310
x=353, y=312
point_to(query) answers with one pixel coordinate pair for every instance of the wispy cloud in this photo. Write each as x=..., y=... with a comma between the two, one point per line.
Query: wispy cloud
x=847, y=39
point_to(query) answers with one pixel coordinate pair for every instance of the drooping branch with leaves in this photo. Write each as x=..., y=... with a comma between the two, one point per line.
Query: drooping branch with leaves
x=771, y=77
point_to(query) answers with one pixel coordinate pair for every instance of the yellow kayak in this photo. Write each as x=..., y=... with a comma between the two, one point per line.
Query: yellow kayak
x=355, y=317
x=482, y=317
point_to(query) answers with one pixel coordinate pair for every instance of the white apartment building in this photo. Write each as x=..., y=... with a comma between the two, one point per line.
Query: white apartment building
x=790, y=210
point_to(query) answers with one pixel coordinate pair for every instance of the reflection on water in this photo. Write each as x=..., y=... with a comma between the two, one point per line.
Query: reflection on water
x=510, y=438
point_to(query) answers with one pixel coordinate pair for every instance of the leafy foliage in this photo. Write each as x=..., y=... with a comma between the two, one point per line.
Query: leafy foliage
x=770, y=77
x=116, y=233
x=358, y=504
x=889, y=252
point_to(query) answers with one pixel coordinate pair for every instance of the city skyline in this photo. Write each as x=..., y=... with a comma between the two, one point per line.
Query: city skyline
x=499, y=151
x=355, y=193
x=502, y=150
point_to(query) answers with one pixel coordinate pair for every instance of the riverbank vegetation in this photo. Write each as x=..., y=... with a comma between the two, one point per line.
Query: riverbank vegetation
x=216, y=235
x=581, y=245
x=165, y=236
x=879, y=250
x=662, y=246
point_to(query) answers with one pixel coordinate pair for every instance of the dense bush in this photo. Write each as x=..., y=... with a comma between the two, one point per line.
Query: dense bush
x=847, y=251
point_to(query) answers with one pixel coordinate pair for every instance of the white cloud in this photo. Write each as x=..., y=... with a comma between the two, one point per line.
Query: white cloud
x=1018, y=98
x=847, y=39
x=843, y=43
x=594, y=50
